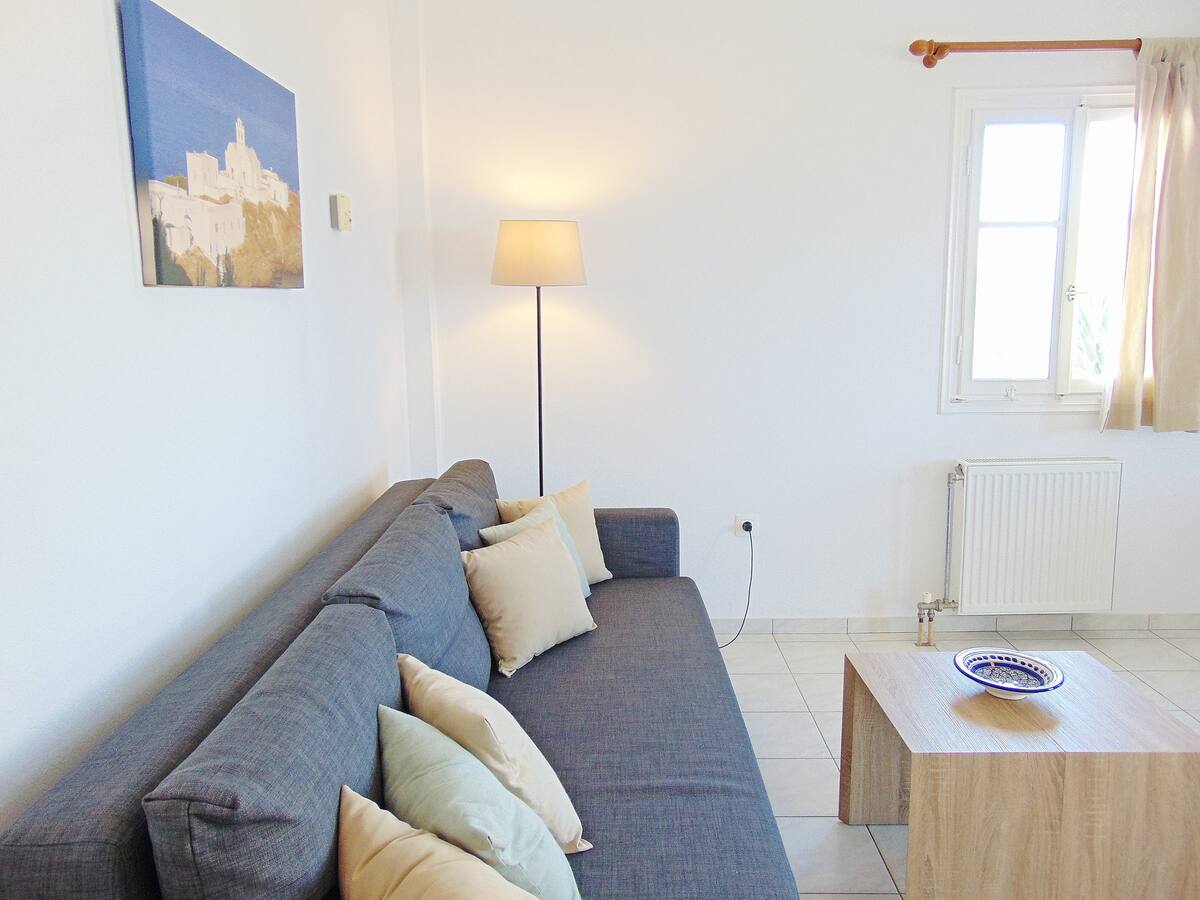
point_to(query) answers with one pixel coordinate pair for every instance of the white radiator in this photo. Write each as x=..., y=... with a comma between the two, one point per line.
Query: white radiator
x=1034, y=535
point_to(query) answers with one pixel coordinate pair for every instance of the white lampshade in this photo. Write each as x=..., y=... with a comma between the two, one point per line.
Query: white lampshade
x=538, y=253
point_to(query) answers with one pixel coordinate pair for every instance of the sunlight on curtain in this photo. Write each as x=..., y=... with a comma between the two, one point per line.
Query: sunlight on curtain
x=1156, y=377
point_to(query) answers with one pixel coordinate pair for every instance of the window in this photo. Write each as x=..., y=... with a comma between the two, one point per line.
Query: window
x=1040, y=218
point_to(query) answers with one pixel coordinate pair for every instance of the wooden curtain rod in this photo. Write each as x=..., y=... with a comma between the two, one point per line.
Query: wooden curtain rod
x=931, y=51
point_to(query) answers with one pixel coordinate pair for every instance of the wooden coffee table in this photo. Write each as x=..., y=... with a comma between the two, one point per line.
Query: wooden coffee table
x=1089, y=792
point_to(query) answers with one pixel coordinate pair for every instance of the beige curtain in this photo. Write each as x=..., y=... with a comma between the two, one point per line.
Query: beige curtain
x=1157, y=373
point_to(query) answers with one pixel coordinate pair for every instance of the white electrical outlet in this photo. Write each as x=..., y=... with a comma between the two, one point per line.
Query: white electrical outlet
x=339, y=213
x=742, y=518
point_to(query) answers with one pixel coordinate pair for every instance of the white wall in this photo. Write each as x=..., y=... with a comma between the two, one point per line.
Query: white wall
x=169, y=455
x=762, y=189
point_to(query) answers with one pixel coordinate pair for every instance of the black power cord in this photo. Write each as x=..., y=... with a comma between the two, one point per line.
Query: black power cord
x=747, y=527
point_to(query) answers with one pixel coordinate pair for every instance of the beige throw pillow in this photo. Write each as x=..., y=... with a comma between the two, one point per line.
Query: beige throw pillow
x=575, y=506
x=542, y=512
x=527, y=594
x=485, y=728
x=382, y=858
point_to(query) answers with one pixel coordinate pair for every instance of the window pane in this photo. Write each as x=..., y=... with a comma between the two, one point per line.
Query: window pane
x=1021, y=178
x=1014, y=302
x=1103, y=234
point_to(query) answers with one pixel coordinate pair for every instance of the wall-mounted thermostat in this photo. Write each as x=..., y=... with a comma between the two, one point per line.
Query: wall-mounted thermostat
x=339, y=212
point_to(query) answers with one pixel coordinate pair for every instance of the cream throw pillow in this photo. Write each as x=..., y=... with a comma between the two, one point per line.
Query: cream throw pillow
x=382, y=858
x=575, y=506
x=545, y=510
x=485, y=728
x=527, y=594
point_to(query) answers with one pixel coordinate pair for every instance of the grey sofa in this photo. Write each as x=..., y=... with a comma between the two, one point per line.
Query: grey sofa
x=225, y=783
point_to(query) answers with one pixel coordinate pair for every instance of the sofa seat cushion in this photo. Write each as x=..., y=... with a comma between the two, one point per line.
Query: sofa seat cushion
x=640, y=722
x=415, y=575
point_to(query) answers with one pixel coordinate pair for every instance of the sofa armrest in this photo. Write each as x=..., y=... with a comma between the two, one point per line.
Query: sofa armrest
x=639, y=543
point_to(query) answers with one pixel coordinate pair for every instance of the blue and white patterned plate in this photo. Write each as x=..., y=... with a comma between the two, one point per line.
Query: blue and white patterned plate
x=1008, y=674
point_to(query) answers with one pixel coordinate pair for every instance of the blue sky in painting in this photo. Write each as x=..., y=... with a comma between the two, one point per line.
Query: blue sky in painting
x=190, y=92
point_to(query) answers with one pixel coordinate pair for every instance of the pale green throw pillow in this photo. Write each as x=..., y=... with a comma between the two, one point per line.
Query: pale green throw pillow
x=544, y=512
x=432, y=783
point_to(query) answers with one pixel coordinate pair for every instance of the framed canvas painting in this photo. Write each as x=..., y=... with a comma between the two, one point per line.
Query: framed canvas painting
x=215, y=163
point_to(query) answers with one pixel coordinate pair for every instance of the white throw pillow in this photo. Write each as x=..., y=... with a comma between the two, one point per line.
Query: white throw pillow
x=383, y=858
x=545, y=511
x=485, y=728
x=575, y=506
x=527, y=594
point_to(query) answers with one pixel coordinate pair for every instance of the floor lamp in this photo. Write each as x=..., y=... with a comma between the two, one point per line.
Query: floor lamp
x=538, y=253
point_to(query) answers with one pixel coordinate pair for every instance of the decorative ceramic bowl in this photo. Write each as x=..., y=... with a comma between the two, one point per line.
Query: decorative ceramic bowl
x=1008, y=674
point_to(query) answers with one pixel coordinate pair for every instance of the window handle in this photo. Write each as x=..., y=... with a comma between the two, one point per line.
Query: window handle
x=1073, y=292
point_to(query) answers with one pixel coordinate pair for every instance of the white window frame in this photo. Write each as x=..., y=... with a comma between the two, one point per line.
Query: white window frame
x=973, y=110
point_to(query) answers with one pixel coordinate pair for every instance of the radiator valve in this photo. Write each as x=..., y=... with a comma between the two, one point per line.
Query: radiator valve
x=926, y=609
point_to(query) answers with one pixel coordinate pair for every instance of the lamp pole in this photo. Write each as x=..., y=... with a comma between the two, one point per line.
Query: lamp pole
x=541, y=466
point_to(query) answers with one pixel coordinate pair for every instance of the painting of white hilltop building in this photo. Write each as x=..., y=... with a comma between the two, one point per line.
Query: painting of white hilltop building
x=202, y=214
x=215, y=161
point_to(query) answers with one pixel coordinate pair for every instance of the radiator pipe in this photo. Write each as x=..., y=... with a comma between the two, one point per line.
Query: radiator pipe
x=928, y=607
x=951, y=479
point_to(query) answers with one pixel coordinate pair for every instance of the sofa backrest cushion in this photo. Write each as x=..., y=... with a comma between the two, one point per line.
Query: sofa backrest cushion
x=467, y=492
x=414, y=574
x=253, y=811
x=87, y=836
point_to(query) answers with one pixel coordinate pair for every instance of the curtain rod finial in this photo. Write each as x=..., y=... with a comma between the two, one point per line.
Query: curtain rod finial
x=929, y=51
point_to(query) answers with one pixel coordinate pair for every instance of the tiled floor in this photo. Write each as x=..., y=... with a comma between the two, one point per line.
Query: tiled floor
x=790, y=689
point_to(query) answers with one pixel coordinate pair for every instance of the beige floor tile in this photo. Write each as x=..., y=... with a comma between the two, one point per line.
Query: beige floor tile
x=1109, y=621
x=982, y=636
x=751, y=626
x=892, y=647
x=801, y=787
x=1180, y=687
x=1146, y=653
x=1104, y=659
x=754, y=658
x=822, y=693
x=1013, y=636
x=865, y=636
x=1145, y=690
x=809, y=626
x=767, y=693
x=783, y=735
x=1190, y=646
x=877, y=624
x=811, y=637
x=830, y=726
x=817, y=658
x=1063, y=640
x=1062, y=643
x=1186, y=718
x=954, y=645
x=829, y=857
x=1178, y=633
x=1115, y=634
x=745, y=638
x=1175, y=620
x=892, y=841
